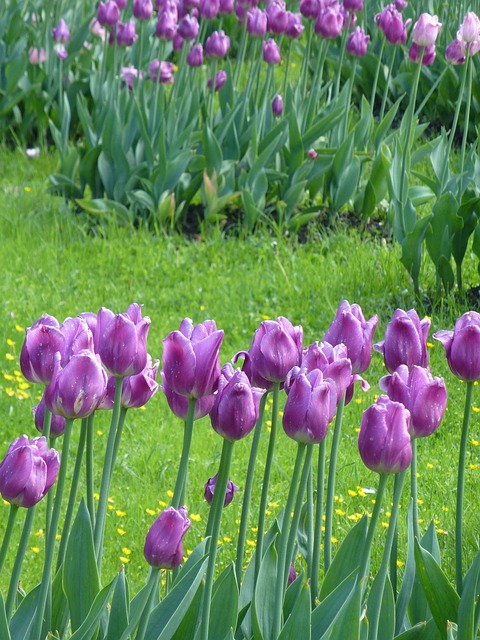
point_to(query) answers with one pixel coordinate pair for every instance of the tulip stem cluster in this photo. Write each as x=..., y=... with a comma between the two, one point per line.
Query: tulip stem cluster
x=317, y=536
x=19, y=558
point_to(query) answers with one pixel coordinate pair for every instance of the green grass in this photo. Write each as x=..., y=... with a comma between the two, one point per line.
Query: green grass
x=51, y=263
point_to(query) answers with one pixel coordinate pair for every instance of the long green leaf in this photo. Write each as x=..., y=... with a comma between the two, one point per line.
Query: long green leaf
x=298, y=624
x=347, y=621
x=264, y=601
x=89, y=626
x=4, y=630
x=324, y=614
x=119, y=611
x=467, y=624
x=224, y=608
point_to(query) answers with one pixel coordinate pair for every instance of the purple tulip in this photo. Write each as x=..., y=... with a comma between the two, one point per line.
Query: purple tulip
x=130, y=74
x=142, y=9
x=256, y=22
x=108, y=13
x=217, y=44
x=226, y=6
x=210, y=485
x=138, y=390
x=309, y=8
x=220, y=79
x=191, y=358
x=188, y=27
x=462, y=346
x=353, y=5
x=124, y=33
x=470, y=28
x=271, y=52
x=121, y=340
x=209, y=9
x=163, y=544
x=350, y=328
x=77, y=389
x=425, y=30
x=277, y=17
x=357, y=43
x=166, y=25
x=329, y=23
x=78, y=336
x=161, y=72
x=405, y=341
x=195, y=56
x=277, y=105
x=424, y=396
x=179, y=404
x=428, y=57
x=295, y=26
x=57, y=425
x=61, y=32
x=400, y=4
x=391, y=23
x=455, y=52
x=37, y=56
x=384, y=441
x=27, y=471
x=43, y=339
x=236, y=406
x=310, y=407
x=121, y=4
x=276, y=348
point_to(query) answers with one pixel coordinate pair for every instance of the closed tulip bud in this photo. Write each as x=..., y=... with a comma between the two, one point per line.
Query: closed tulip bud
x=191, y=363
x=236, y=406
x=277, y=105
x=77, y=389
x=400, y=4
x=129, y=75
x=391, y=23
x=226, y=6
x=271, y=52
x=333, y=362
x=138, y=390
x=161, y=72
x=294, y=28
x=217, y=44
x=357, y=43
x=210, y=490
x=462, y=346
x=209, y=9
x=329, y=23
x=425, y=30
x=220, y=79
x=37, y=358
x=256, y=22
x=78, y=336
x=428, y=57
x=166, y=25
x=57, y=425
x=27, y=471
x=163, y=544
x=195, y=56
x=61, y=32
x=179, y=404
x=405, y=341
x=470, y=28
x=292, y=574
x=424, y=396
x=455, y=52
x=384, y=441
x=188, y=27
x=309, y=8
x=108, y=13
x=121, y=4
x=37, y=56
x=121, y=340
x=351, y=329
x=142, y=9
x=353, y=5
x=277, y=17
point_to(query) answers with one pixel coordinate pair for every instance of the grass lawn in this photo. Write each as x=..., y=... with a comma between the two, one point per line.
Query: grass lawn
x=51, y=263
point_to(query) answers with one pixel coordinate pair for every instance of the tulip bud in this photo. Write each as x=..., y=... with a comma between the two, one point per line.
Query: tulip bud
x=277, y=17
x=142, y=9
x=195, y=56
x=462, y=346
x=455, y=52
x=108, y=13
x=43, y=339
x=384, y=440
x=191, y=358
x=209, y=9
x=163, y=544
x=271, y=52
x=210, y=490
x=161, y=72
x=27, y=471
x=292, y=574
x=220, y=79
x=357, y=43
x=188, y=27
x=277, y=105
x=236, y=406
x=391, y=23
x=217, y=44
x=37, y=56
x=57, y=425
x=77, y=335
x=61, y=32
x=256, y=22
x=125, y=33
x=405, y=341
x=329, y=23
x=425, y=30
x=350, y=328
x=309, y=8
x=333, y=362
x=166, y=25
x=138, y=390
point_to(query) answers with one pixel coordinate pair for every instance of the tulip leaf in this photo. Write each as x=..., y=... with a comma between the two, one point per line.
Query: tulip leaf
x=59, y=603
x=197, y=554
x=23, y=616
x=324, y=614
x=80, y=573
x=346, y=559
x=467, y=609
x=298, y=623
x=381, y=598
x=89, y=625
x=4, y=630
x=119, y=611
x=167, y=616
x=264, y=601
x=442, y=597
x=292, y=594
x=347, y=620
x=189, y=623
x=224, y=608
x=417, y=632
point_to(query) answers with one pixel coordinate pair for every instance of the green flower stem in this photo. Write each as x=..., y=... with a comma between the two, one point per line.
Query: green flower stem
x=362, y=569
x=89, y=469
x=283, y=543
x=306, y=472
x=413, y=488
x=240, y=56
x=52, y=532
x=107, y=474
x=315, y=86
x=287, y=67
x=468, y=63
x=351, y=81
x=310, y=529
x=332, y=470
x=181, y=482
x=17, y=567
x=306, y=60
x=247, y=494
x=387, y=83
x=392, y=528
x=153, y=128
x=8, y=534
x=373, y=95
x=211, y=97
x=73, y=494
x=317, y=536
x=47, y=423
x=461, y=489
x=266, y=480
x=152, y=584
x=343, y=43
x=217, y=507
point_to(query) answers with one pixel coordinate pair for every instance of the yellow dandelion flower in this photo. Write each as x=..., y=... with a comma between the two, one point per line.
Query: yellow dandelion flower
x=124, y=559
x=58, y=536
x=9, y=391
x=357, y=429
x=429, y=465
x=10, y=342
x=170, y=493
x=27, y=189
x=254, y=529
x=195, y=517
x=121, y=514
x=352, y=493
x=385, y=525
x=473, y=466
x=251, y=543
x=420, y=521
x=475, y=409
x=359, y=400
x=99, y=432
x=226, y=539
x=400, y=563
x=19, y=328
x=39, y=533
x=126, y=551
x=150, y=512
x=121, y=532
x=9, y=356
x=202, y=307
x=264, y=317
x=111, y=507
x=162, y=503
x=268, y=512
x=475, y=443
x=8, y=377
x=339, y=512
x=36, y=549
x=273, y=504
x=96, y=496
x=442, y=532
x=268, y=423
x=444, y=508
x=334, y=540
x=430, y=345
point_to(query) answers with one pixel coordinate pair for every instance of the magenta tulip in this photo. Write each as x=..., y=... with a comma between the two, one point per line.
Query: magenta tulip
x=462, y=346
x=163, y=544
x=43, y=339
x=209, y=490
x=425, y=30
x=405, y=340
x=57, y=425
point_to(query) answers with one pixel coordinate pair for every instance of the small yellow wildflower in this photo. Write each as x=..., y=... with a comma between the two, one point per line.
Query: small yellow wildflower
x=195, y=517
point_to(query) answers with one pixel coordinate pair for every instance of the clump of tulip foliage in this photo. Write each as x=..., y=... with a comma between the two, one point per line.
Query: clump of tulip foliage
x=293, y=584
x=260, y=112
